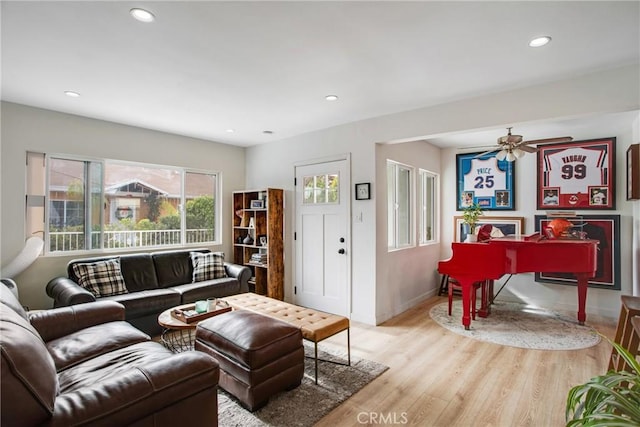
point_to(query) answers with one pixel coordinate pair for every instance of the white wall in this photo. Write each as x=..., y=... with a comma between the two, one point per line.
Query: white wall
x=30, y=129
x=272, y=165
x=407, y=276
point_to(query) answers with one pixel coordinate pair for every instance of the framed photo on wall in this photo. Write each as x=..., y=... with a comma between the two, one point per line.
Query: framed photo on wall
x=577, y=175
x=633, y=172
x=606, y=230
x=485, y=180
x=506, y=225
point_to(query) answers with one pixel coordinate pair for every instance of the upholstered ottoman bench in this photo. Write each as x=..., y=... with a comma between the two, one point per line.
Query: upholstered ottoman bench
x=315, y=325
x=258, y=356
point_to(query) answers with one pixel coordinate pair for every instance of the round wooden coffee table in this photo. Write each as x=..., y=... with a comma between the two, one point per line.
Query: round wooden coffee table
x=178, y=335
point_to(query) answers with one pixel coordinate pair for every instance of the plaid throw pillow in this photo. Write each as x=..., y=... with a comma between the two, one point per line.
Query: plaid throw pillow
x=207, y=266
x=101, y=278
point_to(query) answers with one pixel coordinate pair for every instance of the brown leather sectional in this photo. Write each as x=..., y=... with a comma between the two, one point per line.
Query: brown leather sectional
x=84, y=365
x=155, y=282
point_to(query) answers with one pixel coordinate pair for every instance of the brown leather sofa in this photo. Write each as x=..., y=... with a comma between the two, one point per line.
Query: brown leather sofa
x=155, y=281
x=84, y=365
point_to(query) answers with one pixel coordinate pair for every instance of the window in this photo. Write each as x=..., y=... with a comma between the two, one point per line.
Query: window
x=428, y=205
x=104, y=204
x=399, y=191
x=321, y=189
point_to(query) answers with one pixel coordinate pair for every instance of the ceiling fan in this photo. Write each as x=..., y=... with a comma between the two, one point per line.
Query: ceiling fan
x=512, y=147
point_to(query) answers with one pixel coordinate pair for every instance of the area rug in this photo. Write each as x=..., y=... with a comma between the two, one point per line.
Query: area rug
x=519, y=325
x=309, y=402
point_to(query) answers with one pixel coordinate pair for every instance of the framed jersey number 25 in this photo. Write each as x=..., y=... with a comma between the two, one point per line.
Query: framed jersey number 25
x=577, y=175
x=485, y=180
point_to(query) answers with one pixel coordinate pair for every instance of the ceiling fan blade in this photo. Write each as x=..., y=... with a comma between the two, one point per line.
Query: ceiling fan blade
x=527, y=148
x=481, y=147
x=486, y=152
x=549, y=140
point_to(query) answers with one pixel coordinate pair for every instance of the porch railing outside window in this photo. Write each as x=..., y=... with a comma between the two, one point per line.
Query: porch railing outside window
x=64, y=241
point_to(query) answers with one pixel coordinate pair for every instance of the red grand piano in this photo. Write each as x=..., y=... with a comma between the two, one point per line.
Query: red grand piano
x=473, y=262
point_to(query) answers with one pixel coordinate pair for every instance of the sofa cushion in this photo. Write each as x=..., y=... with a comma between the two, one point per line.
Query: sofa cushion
x=31, y=381
x=207, y=266
x=142, y=303
x=172, y=267
x=91, y=342
x=101, y=278
x=139, y=272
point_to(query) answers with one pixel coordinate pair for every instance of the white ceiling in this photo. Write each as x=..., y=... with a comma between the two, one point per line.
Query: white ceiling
x=204, y=67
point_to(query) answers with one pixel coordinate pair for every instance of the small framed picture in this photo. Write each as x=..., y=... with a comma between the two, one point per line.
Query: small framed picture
x=363, y=191
x=257, y=204
x=262, y=239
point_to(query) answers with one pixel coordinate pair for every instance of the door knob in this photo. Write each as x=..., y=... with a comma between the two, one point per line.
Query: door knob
x=341, y=251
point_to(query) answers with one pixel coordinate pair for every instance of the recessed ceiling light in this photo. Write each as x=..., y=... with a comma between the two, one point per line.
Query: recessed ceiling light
x=267, y=132
x=331, y=97
x=230, y=130
x=71, y=93
x=142, y=15
x=539, y=41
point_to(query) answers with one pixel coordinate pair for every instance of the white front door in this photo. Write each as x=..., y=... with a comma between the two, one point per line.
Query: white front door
x=322, y=236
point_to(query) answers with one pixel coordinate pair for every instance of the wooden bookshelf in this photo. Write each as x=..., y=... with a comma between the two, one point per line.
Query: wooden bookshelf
x=260, y=213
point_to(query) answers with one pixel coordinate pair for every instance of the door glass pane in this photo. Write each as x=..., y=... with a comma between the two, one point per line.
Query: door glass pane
x=308, y=189
x=333, y=185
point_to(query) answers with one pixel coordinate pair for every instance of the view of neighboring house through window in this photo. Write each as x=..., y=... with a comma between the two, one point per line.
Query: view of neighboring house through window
x=399, y=208
x=103, y=204
x=428, y=204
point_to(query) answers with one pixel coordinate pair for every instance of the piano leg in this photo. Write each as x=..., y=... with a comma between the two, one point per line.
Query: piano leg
x=487, y=296
x=467, y=289
x=583, y=281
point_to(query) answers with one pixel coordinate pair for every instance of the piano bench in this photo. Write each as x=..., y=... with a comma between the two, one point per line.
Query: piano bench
x=624, y=332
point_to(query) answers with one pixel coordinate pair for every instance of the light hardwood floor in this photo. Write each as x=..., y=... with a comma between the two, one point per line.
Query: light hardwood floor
x=438, y=378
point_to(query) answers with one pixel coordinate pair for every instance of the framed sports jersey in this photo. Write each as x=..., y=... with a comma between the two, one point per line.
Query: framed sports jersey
x=577, y=175
x=606, y=230
x=485, y=180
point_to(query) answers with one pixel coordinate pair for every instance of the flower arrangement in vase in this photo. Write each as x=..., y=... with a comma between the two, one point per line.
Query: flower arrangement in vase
x=470, y=216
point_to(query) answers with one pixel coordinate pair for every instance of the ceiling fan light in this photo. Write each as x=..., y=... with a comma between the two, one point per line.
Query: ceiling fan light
x=518, y=153
x=511, y=157
x=500, y=155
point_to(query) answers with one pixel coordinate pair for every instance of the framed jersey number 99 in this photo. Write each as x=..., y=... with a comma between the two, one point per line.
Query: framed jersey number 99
x=486, y=181
x=577, y=175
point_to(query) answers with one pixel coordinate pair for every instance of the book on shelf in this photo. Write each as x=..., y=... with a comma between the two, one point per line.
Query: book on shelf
x=259, y=257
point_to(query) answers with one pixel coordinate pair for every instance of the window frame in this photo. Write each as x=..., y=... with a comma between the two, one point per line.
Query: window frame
x=104, y=218
x=423, y=176
x=393, y=220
